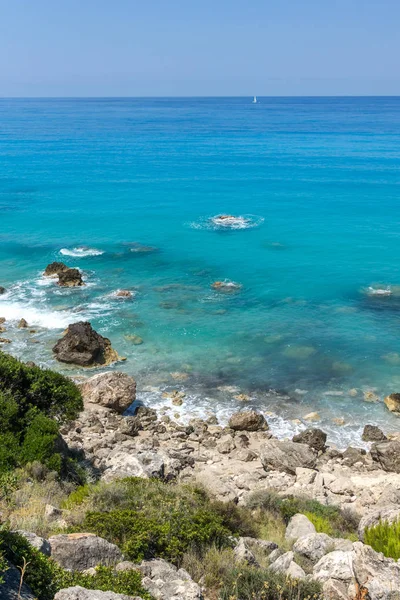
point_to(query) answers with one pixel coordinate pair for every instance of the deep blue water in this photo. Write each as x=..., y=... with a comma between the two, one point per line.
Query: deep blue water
x=319, y=178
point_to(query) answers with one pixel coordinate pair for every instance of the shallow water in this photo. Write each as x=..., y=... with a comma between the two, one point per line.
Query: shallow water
x=135, y=183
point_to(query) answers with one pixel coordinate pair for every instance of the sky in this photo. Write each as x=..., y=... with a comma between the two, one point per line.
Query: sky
x=199, y=47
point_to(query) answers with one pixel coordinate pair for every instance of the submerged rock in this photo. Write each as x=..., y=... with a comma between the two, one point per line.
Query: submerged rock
x=392, y=403
x=54, y=269
x=113, y=390
x=4, y=340
x=82, y=345
x=70, y=278
x=226, y=286
x=123, y=294
x=229, y=221
x=2, y=290
x=248, y=420
x=313, y=437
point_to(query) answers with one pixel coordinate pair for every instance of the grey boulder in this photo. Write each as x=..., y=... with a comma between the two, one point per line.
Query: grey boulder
x=36, y=541
x=166, y=582
x=282, y=455
x=298, y=527
x=81, y=551
x=80, y=593
x=387, y=454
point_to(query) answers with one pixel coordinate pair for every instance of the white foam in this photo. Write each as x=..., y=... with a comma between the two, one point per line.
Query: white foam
x=81, y=252
x=50, y=319
x=227, y=222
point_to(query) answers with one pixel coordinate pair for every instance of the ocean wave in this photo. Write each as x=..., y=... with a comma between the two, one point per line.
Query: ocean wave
x=81, y=252
x=47, y=318
x=228, y=222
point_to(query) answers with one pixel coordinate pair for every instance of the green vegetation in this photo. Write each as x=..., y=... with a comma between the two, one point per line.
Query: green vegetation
x=148, y=518
x=248, y=583
x=384, y=537
x=33, y=402
x=331, y=520
x=46, y=578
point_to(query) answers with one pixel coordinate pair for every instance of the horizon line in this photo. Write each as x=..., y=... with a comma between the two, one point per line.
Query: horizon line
x=188, y=97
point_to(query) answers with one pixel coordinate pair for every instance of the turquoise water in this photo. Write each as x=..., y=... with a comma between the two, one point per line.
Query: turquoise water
x=319, y=180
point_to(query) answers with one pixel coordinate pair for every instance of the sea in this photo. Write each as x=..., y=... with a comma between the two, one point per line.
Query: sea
x=127, y=190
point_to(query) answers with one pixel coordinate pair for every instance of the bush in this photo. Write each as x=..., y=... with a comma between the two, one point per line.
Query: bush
x=167, y=536
x=384, y=537
x=46, y=578
x=32, y=404
x=327, y=519
x=248, y=583
x=42, y=389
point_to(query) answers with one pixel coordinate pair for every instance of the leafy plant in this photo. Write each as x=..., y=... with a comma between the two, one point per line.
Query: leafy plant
x=384, y=537
x=248, y=583
x=168, y=536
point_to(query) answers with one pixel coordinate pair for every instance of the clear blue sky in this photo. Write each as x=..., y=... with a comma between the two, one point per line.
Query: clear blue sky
x=199, y=47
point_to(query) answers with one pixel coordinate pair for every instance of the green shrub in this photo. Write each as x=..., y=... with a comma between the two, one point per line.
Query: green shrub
x=42, y=575
x=327, y=519
x=33, y=387
x=167, y=536
x=321, y=524
x=384, y=537
x=33, y=402
x=249, y=583
x=106, y=579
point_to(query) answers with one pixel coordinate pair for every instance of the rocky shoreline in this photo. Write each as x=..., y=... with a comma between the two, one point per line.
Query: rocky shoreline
x=233, y=463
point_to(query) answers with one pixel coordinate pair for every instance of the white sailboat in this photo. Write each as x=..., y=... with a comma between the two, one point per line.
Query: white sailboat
x=255, y=100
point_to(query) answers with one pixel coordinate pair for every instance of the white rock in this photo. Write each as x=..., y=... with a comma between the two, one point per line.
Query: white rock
x=299, y=526
x=336, y=565
x=314, y=546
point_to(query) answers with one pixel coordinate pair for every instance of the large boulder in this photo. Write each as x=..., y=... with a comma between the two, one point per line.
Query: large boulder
x=248, y=420
x=81, y=551
x=378, y=578
x=335, y=565
x=113, y=390
x=298, y=527
x=387, y=454
x=314, y=438
x=79, y=593
x=10, y=588
x=70, y=278
x=36, y=541
x=82, y=345
x=283, y=455
x=390, y=514
x=166, y=582
x=372, y=433
x=54, y=269
x=392, y=403
x=313, y=546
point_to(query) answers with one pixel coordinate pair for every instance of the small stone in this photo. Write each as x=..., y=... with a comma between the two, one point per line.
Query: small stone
x=242, y=397
x=312, y=416
x=123, y=294
x=4, y=341
x=338, y=420
x=135, y=339
x=22, y=324
x=370, y=396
